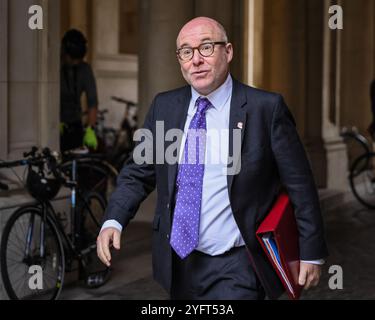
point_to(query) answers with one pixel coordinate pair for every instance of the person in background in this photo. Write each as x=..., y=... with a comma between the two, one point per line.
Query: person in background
x=76, y=78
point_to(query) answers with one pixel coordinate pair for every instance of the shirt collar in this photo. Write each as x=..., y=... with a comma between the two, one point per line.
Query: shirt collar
x=218, y=98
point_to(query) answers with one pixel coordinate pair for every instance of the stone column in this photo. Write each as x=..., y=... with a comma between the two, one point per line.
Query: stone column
x=253, y=39
x=284, y=56
x=48, y=53
x=336, y=154
x=314, y=72
x=78, y=15
x=30, y=105
x=158, y=66
x=116, y=73
x=106, y=27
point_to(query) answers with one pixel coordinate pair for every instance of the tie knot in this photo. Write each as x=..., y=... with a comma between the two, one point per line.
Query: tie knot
x=203, y=104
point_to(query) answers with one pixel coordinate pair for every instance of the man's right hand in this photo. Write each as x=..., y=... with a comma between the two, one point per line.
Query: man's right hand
x=106, y=238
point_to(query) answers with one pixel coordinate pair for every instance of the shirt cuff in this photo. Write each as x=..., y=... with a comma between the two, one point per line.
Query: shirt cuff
x=111, y=224
x=317, y=262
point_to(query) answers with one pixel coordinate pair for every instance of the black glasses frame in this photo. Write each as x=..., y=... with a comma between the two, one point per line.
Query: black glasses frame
x=214, y=43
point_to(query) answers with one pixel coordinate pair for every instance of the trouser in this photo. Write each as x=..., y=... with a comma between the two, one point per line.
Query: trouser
x=228, y=276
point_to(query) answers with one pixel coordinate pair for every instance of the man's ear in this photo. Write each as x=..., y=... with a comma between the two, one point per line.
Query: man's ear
x=229, y=51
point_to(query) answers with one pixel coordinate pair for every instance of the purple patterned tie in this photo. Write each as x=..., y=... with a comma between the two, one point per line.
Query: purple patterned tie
x=185, y=228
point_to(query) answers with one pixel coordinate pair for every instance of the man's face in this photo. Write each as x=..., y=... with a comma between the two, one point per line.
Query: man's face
x=204, y=74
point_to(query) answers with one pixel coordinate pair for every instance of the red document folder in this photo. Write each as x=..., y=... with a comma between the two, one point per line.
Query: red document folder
x=278, y=235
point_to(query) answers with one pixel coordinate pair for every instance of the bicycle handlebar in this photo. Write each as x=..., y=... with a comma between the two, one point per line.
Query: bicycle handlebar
x=121, y=100
x=12, y=164
x=31, y=158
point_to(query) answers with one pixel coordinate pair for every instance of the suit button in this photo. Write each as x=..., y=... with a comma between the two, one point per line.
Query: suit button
x=168, y=206
x=167, y=236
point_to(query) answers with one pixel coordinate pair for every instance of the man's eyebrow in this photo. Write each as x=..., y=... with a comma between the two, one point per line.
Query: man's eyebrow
x=184, y=45
x=202, y=41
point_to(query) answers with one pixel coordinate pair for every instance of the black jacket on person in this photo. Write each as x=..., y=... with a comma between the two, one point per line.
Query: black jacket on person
x=75, y=80
x=272, y=156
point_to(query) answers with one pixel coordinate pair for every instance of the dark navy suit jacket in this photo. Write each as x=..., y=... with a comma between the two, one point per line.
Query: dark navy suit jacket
x=272, y=157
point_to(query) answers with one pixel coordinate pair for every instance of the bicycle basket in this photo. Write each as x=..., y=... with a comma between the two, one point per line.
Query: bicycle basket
x=40, y=187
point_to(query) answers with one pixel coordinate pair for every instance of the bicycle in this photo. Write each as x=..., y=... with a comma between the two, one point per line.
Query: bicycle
x=117, y=145
x=35, y=236
x=124, y=144
x=362, y=170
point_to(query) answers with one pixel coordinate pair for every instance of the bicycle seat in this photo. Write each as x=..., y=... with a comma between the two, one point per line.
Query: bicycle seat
x=79, y=151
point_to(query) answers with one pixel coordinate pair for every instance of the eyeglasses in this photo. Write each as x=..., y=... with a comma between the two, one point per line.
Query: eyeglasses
x=205, y=49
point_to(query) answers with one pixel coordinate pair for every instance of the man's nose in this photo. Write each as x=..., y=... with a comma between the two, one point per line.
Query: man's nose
x=197, y=57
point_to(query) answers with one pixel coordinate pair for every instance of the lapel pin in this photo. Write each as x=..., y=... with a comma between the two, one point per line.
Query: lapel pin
x=240, y=125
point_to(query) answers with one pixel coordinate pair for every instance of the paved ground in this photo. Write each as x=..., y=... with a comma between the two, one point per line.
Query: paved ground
x=351, y=238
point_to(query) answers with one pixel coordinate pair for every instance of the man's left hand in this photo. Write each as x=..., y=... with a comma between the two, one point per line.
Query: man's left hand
x=309, y=275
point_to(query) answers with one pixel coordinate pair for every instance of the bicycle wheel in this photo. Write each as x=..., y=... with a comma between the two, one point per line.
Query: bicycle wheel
x=362, y=179
x=91, y=215
x=92, y=212
x=29, y=270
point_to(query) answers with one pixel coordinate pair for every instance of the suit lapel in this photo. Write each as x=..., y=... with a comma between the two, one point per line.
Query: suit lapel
x=179, y=109
x=237, y=120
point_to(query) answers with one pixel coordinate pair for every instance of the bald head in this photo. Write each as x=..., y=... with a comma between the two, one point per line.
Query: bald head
x=202, y=23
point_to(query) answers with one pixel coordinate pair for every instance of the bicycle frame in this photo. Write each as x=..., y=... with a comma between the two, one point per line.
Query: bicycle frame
x=48, y=211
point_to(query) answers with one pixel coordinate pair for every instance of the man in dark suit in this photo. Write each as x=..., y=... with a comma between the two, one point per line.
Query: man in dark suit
x=207, y=212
